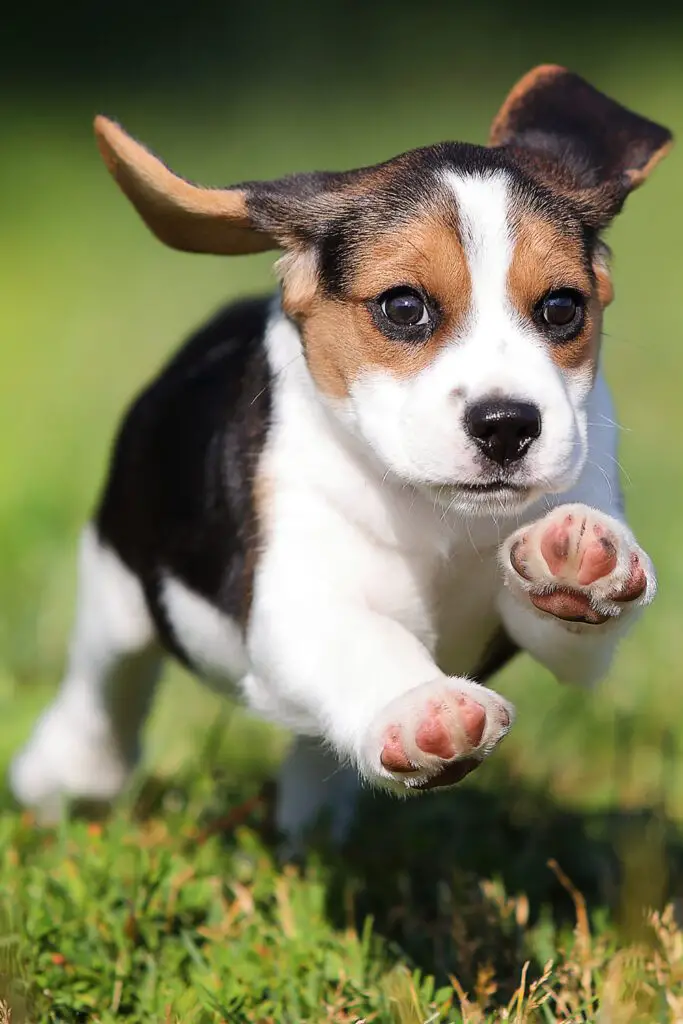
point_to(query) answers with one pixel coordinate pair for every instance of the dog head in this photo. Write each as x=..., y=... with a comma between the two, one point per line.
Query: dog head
x=449, y=300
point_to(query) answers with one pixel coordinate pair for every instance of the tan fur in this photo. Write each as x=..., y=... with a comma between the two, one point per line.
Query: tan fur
x=181, y=215
x=298, y=272
x=262, y=490
x=342, y=341
x=638, y=177
x=544, y=258
x=603, y=280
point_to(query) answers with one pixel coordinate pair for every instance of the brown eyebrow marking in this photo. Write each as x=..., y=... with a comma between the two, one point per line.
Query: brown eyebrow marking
x=544, y=258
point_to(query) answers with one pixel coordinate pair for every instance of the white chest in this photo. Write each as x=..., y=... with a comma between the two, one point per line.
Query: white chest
x=466, y=614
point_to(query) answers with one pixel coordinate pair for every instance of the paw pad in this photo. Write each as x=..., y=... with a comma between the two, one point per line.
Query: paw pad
x=437, y=733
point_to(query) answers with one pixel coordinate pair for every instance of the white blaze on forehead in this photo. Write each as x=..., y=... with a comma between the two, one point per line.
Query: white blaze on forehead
x=483, y=201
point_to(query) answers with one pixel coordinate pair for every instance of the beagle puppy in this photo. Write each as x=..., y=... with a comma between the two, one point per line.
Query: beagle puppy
x=353, y=501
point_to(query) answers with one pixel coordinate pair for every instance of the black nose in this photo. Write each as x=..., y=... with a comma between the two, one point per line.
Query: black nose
x=504, y=430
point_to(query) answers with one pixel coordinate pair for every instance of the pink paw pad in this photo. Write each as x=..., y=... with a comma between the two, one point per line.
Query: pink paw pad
x=393, y=756
x=599, y=559
x=576, y=560
x=440, y=733
x=575, y=553
x=636, y=583
x=433, y=736
x=555, y=546
x=569, y=605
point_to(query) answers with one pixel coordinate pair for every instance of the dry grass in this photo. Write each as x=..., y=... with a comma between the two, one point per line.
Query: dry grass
x=587, y=982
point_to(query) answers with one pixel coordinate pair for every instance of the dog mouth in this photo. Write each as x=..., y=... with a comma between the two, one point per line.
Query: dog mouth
x=509, y=494
x=491, y=487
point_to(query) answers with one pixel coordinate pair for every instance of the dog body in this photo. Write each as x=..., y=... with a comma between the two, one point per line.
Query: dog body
x=354, y=501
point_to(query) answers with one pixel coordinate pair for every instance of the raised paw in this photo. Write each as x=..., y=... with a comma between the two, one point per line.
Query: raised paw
x=436, y=734
x=579, y=565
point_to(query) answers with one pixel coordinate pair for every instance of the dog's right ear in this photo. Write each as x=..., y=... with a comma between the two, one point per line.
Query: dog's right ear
x=252, y=217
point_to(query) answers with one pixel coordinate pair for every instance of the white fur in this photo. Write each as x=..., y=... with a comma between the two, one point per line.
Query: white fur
x=86, y=743
x=212, y=641
x=331, y=649
x=411, y=573
x=380, y=585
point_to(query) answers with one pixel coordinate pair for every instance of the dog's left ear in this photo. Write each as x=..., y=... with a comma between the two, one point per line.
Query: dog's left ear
x=578, y=141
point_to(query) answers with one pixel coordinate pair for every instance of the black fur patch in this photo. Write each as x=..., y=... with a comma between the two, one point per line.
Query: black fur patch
x=179, y=498
x=499, y=651
x=567, y=133
x=596, y=138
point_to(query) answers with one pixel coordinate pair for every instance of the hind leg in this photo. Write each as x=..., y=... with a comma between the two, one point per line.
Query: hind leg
x=312, y=782
x=86, y=744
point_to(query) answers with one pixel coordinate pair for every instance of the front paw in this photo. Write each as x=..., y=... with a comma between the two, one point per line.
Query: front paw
x=435, y=734
x=579, y=565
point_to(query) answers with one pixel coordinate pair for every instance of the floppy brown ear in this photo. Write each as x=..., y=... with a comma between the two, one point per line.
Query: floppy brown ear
x=578, y=140
x=182, y=215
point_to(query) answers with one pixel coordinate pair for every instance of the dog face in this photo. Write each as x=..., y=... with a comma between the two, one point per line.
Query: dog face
x=450, y=300
x=454, y=326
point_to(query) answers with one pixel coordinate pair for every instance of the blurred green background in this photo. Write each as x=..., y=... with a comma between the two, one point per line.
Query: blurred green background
x=91, y=305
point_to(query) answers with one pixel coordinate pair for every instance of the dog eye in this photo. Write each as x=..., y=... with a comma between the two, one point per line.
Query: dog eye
x=562, y=310
x=559, y=309
x=404, y=308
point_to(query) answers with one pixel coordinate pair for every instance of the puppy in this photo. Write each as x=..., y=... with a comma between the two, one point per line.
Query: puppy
x=354, y=501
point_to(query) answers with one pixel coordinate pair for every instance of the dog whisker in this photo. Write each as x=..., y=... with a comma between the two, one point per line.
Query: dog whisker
x=610, y=488
x=277, y=374
x=620, y=467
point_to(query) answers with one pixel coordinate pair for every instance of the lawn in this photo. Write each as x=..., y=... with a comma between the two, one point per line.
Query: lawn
x=445, y=909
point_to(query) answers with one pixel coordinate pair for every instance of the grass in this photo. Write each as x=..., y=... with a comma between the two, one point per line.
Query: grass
x=446, y=908
x=171, y=911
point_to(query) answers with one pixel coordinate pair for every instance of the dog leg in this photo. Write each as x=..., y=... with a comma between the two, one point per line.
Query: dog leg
x=312, y=782
x=87, y=742
x=372, y=691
